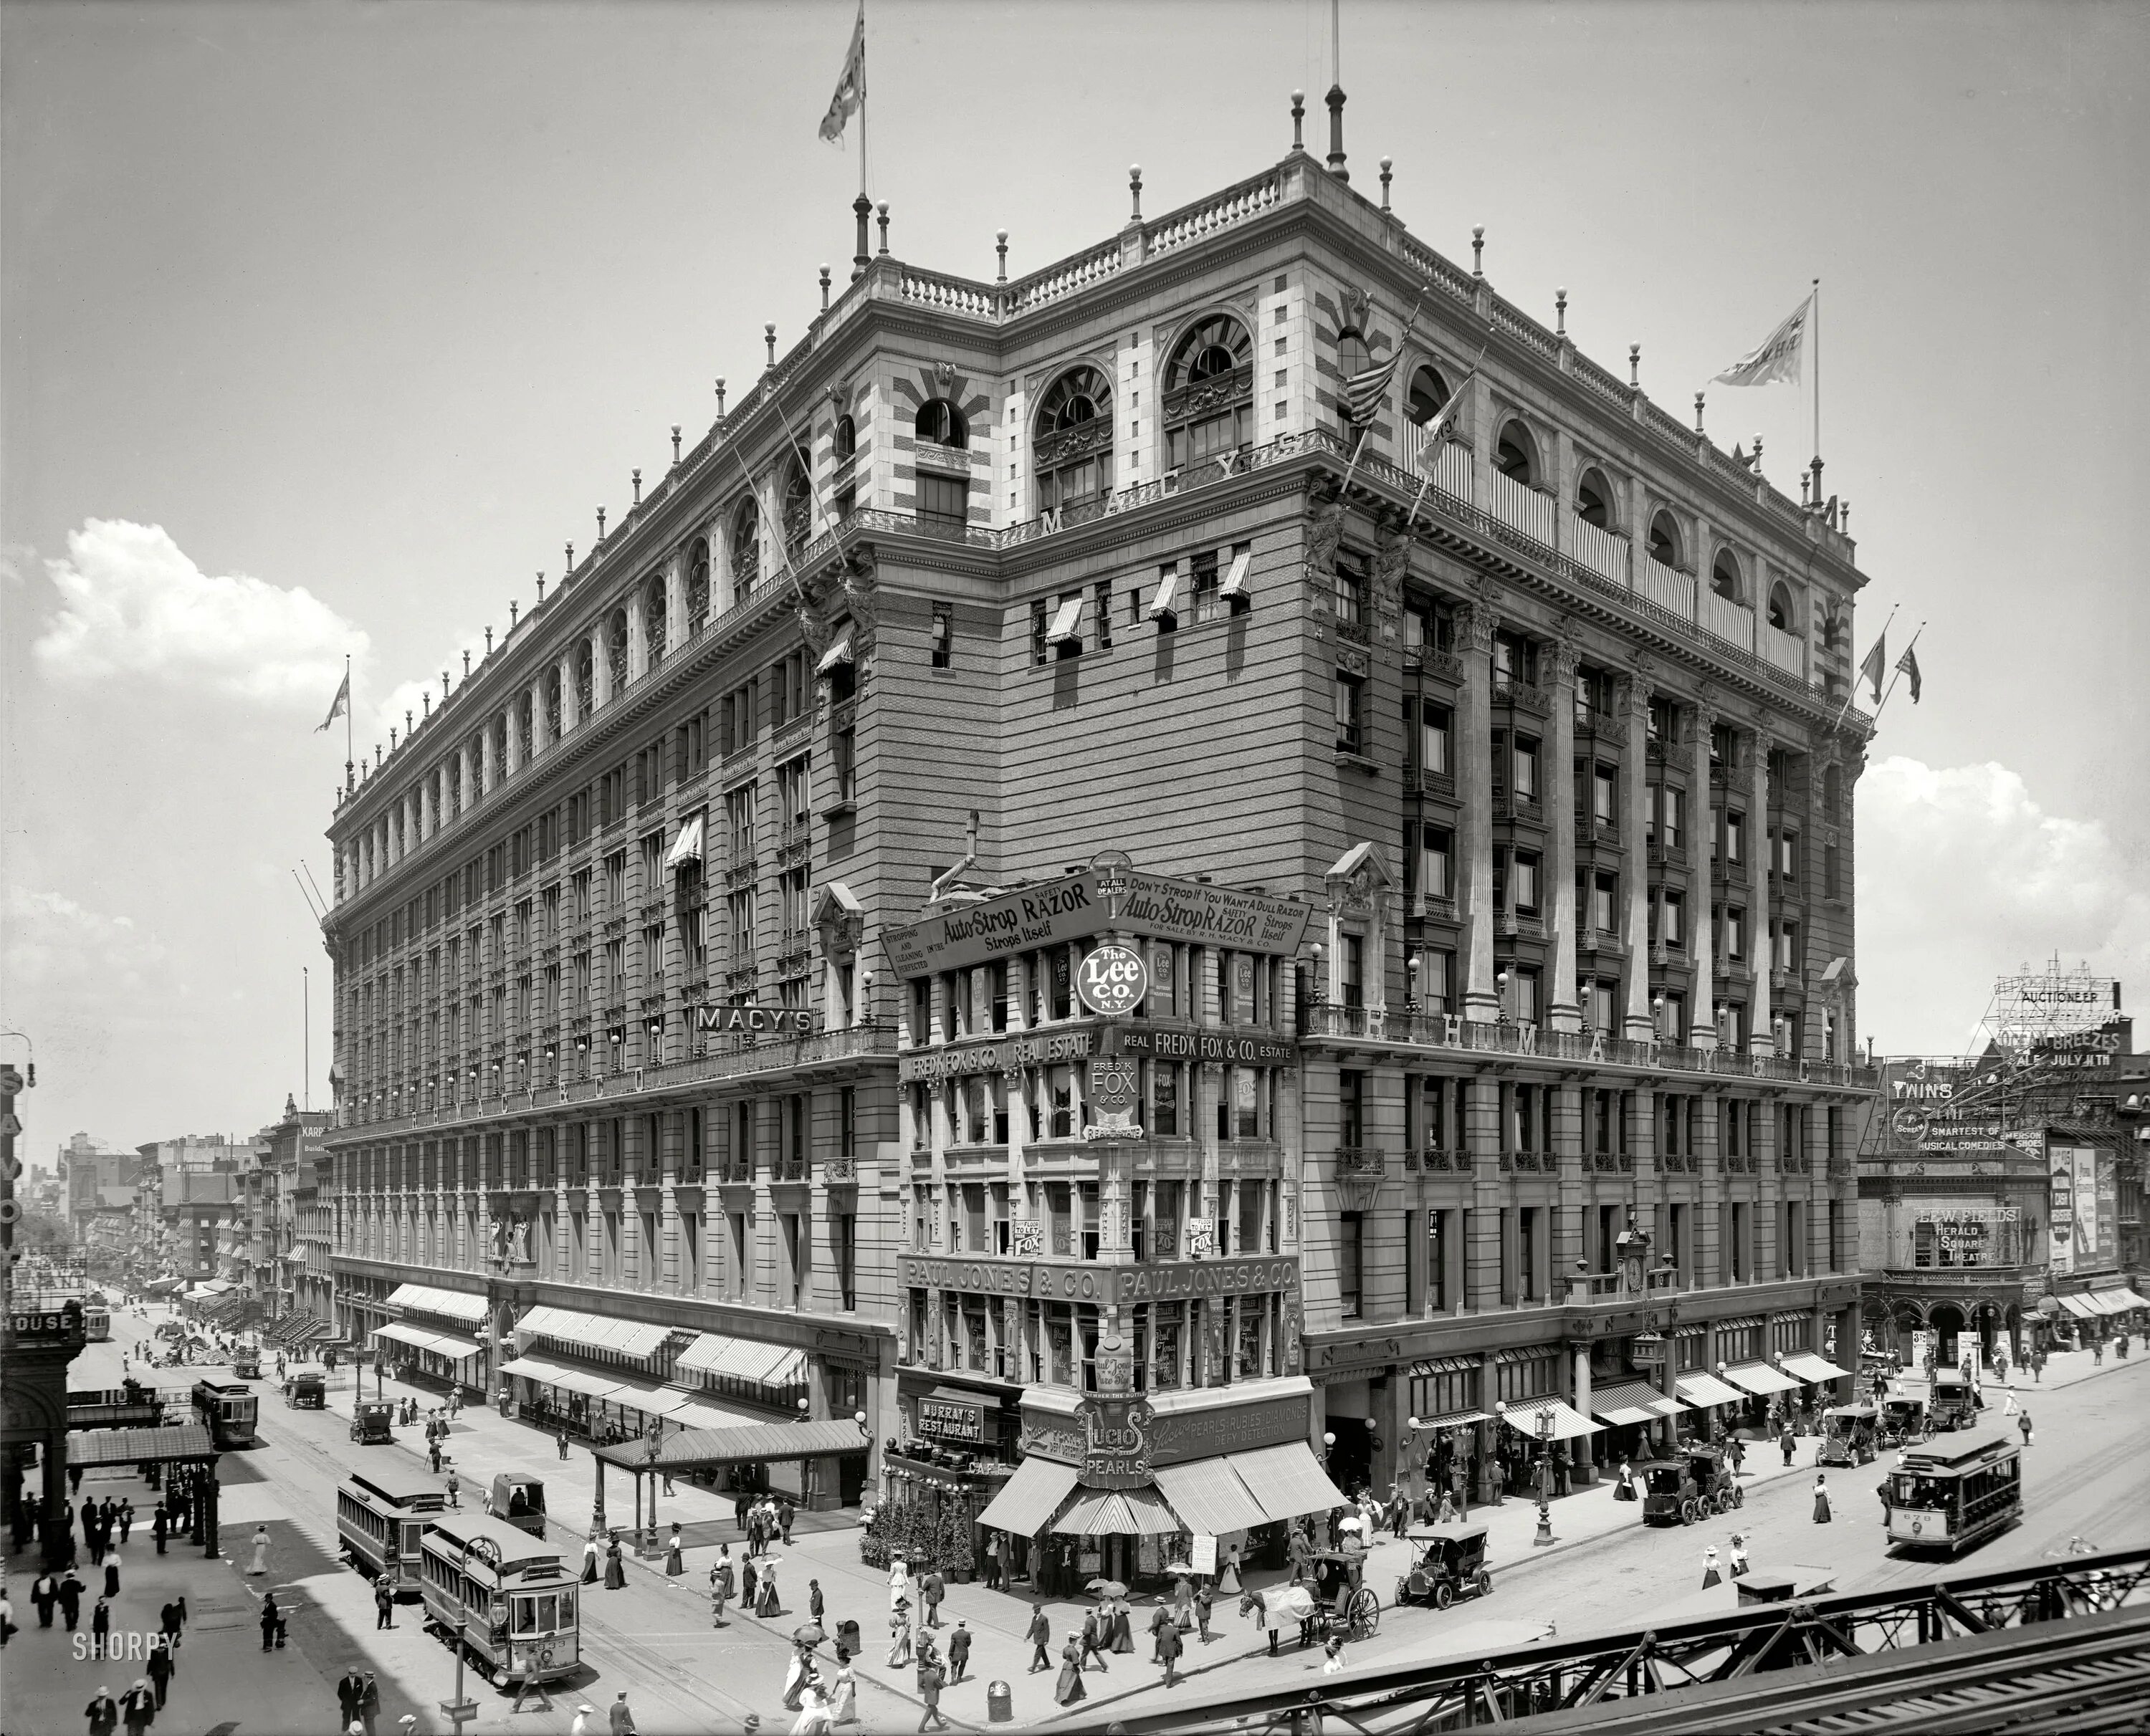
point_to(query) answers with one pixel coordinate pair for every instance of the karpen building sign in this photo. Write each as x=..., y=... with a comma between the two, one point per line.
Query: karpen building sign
x=1105, y=1285
x=1074, y=907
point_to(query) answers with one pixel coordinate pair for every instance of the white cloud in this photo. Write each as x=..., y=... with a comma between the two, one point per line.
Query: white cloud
x=132, y=605
x=54, y=949
x=1963, y=878
x=411, y=695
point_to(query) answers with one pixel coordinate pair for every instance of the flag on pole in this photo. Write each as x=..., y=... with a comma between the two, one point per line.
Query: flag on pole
x=338, y=706
x=1908, y=665
x=1363, y=392
x=1777, y=357
x=1442, y=430
x=1877, y=661
x=851, y=84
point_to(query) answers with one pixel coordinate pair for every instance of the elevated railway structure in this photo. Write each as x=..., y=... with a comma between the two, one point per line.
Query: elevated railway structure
x=2061, y=1646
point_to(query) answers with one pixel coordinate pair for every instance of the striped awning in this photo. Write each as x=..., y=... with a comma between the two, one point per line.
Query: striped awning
x=2124, y=1299
x=1702, y=1391
x=441, y=1344
x=449, y=1304
x=626, y=1337
x=760, y=1444
x=1453, y=1419
x=1632, y=1401
x=1209, y=1496
x=545, y=1370
x=744, y=1359
x=1286, y=1481
x=1568, y=1423
x=1812, y=1369
x=1758, y=1377
x=1119, y=1513
x=2077, y=1306
x=1028, y=1500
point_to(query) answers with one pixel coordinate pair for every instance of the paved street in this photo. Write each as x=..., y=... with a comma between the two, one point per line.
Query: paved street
x=2086, y=1478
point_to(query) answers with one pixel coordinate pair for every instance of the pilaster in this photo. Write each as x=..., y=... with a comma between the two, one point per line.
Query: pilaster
x=1761, y=1039
x=1482, y=1001
x=1701, y=1004
x=1567, y=1014
x=1640, y=1028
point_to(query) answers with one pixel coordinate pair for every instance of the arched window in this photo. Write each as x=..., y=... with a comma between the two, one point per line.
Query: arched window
x=1593, y=499
x=698, y=585
x=586, y=680
x=1665, y=539
x=655, y=625
x=746, y=546
x=525, y=728
x=798, y=508
x=499, y=744
x=1072, y=445
x=1209, y=393
x=847, y=438
x=615, y=650
x=940, y=422
x=552, y=697
x=1429, y=394
x=1516, y=453
x=1724, y=578
x=1783, y=614
x=1353, y=357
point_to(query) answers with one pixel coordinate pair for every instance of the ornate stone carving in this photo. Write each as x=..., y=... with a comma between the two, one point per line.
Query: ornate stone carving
x=1561, y=659
x=1475, y=622
x=1325, y=532
x=1391, y=561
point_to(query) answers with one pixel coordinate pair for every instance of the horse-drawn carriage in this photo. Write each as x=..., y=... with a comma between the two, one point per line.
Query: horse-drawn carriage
x=1694, y=1485
x=1330, y=1600
x=1448, y=1562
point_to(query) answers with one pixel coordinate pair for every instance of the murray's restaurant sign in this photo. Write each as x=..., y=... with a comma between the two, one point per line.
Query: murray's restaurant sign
x=1075, y=907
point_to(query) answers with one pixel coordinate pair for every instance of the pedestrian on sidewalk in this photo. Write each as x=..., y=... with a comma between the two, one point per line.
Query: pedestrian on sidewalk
x=70, y=1595
x=563, y=1443
x=1170, y=1646
x=2022, y=1422
x=1160, y=1618
x=674, y=1565
x=126, y=1520
x=1498, y=1477
x=172, y=1616
x=785, y=1512
x=455, y=1488
x=160, y=1527
x=369, y=1702
x=1820, y=1499
x=749, y=1579
x=1739, y=1555
x=816, y=1604
x=582, y=1726
x=898, y=1634
x=384, y=1605
x=112, y=1577
x=160, y=1668
x=1068, y=1688
x=433, y=1456
x=721, y=1584
x=1784, y=1444
x=621, y=1716
x=349, y=1686
x=795, y=1675
x=259, y=1564
x=44, y=1594
x=959, y=1652
x=1229, y=1580
x=269, y=1620
x=1710, y=1576
x=844, y=1693
x=931, y=1590
x=1039, y=1633
x=590, y=1558
x=1332, y=1658
x=100, y=1629
x=103, y=1713
x=615, y=1577
x=993, y=1562
x=765, y=1604
x=1205, y=1600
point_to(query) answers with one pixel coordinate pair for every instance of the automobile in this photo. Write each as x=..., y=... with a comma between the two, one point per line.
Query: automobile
x=519, y=1500
x=1448, y=1562
x=371, y=1423
x=1903, y=1420
x=246, y=1365
x=305, y=1389
x=1953, y=1402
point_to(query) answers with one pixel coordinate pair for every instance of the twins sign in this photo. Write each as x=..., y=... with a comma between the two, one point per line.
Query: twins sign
x=1111, y=980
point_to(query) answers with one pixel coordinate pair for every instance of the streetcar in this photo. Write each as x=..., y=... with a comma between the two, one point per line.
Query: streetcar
x=97, y=1322
x=1951, y=1494
x=506, y=1597
x=228, y=1410
x=381, y=1522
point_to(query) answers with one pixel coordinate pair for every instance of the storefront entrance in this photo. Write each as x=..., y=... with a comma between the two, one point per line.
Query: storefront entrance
x=1350, y=1453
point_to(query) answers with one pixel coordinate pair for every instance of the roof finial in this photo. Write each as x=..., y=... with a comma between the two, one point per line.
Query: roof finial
x=635, y=476
x=825, y=288
x=1758, y=455
x=426, y=698
x=514, y=609
x=1478, y=250
x=1000, y=248
x=488, y=641
x=881, y=217
x=570, y=561
x=862, y=209
x=1698, y=412
x=1336, y=101
x=675, y=446
x=720, y=397
x=406, y=720
x=540, y=588
x=1298, y=120
x=1134, y=187
x=768, y=337
x=1560, y=313
x=600, y=541
x=1388, y=167
x=466, y=665
x=1635, y=366
x=444, y=687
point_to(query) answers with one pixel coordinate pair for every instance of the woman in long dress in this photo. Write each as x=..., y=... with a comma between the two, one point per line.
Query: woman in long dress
x=1710, y=1576
x=899, y=1583
x=1821, y=1500
x=899, y=1635
x=615, y=1570
x=794, y=1678
x=814, y=1719
x=260, y=1561
x=1122, y=1639
x=844, y=1693
x=673, y=1565
x=765, y=1602
x=721, y=1584
x=1068, y=1688
x=590, y=1559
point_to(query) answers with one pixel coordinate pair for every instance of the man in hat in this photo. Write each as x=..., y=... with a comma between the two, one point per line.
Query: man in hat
x=103, y=1713
x=621, y=1716
x=161, y=1666
x=350, y=1686
x=138, y=1707
x=959, y=1651
x=1039, y=1633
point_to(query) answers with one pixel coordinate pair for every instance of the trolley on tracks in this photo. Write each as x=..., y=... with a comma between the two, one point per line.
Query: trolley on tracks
x=1951, y=1494
x=97, y=1322
x=229, y=1410
x=381, y=1522
x=506, y=1597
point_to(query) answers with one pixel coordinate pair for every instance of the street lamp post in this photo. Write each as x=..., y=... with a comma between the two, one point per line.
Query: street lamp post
x=1544, y=1538
x=460, y=1710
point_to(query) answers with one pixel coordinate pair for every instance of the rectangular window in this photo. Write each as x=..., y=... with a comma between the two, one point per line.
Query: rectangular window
x=943, y=635
x=1351, y=1247
x=1525, y=768
x=1437, y=981
x=1350, y=591
x=1672, y=926
x=1605, y=795
x=1437, y=862
x=943, y=501
x=1348, y=701
x=1102, y=601
x=1433, y=732
x=1523, y=883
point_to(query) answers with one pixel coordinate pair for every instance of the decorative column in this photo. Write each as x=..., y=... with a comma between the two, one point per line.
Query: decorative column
x=637, y=637
x=600, y=666
x=1761, y=1039
x=675, y=601
x=1585, y=1469
x=1482, y=1002
x=668, y=1159
x=1640, y=1028
x=1560, y=796
x=1701, y=1004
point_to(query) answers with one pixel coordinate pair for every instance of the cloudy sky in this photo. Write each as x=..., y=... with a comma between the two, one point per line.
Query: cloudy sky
x=327, y=325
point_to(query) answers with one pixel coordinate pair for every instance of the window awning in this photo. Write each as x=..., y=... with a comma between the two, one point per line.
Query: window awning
x=1702, y=1391
x=1568, y=1422
x=1235, y=581
x=627, y=1337
x=2077, y=1306
x=441, y=1344
x=1167, y=589
x=1028, y=1500
x=1758, y=1377
x=550, y=1373
x=693, y=1410
x=1209, y=1496
x=1812, y=1369
x=1453, y=1419
x=2110, y=1301
x=2124, y=1299
x=687, y=846
x=744, y=1359
x=1066, y=622
x=838, y=653
x=1287, y=1481
x=450, y=1304
x=759, y=1443
x=1632, y=1401
x=1118, y=1513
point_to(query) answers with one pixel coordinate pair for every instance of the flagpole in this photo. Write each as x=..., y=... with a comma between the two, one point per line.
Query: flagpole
x=1897, y=672
x=1817, y=383
x=862, y=102
x=306, y=1025
x=1845, y=709
x=350, y=753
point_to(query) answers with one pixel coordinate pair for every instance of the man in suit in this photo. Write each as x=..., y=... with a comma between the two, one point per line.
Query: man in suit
x=1039, y=1633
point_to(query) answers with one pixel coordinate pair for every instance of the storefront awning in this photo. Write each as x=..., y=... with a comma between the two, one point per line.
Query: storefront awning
x=1453, y=1419
x=1702, y=1391
x=1812, y=1369
x=759, y=1443
x=2124, y=1298
x=1286, y=1481
x=1759, y=1378
x=419, y=1338
x=1028, y=1500
x=1628, y=1402
x=626, y=1337
x=1568, y=1422
x=1118, y=1513
x=2077, y=1306
x=448, y=1304
x=744, y=1359
x=549, y=1373
x=2110, y=1301
x=1209, y=1496
x=838, y=652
